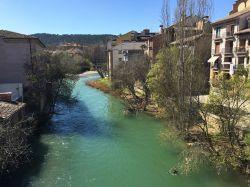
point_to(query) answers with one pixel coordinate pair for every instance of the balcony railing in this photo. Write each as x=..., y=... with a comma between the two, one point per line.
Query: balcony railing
x=241, y=49
x=230, y=34
x=229, y=50
x=222, y=67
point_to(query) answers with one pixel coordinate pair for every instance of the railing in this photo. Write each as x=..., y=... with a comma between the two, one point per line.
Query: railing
x=229, y=50
x=223, y=67
x=230, y=34
x=240, y=49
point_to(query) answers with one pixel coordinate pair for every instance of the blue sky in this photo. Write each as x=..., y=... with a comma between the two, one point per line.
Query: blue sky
x=87, y=16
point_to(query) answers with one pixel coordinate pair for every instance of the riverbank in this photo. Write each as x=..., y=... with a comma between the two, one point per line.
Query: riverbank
x=94, y=144
x=195, y=137
x=87, y=73
x=105, y=86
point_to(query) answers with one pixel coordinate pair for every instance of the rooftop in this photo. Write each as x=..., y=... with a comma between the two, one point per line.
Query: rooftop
x=232, y=16
x=8, y=109
x=14, y=35
x=9, y=34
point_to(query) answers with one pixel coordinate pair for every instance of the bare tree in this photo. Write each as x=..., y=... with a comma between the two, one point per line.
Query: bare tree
x=132, y=75
x=15, y=149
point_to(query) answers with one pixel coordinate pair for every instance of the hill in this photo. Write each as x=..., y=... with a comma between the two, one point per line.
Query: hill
x=83, y=39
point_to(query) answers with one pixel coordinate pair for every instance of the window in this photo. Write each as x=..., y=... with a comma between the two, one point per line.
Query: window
x=248, y=22
x=242, y=43
x=217, y=48
x=120, y=52
x=241, y=61
x=232, y=29
x=228, y=59
x=229, y=47
x=218, y=29
x=120, y=59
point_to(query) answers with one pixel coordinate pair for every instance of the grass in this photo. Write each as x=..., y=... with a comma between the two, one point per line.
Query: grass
x=105, y=81
x=101, y=84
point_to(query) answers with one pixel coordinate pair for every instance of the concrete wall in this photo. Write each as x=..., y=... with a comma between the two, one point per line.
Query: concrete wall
x=14, y=54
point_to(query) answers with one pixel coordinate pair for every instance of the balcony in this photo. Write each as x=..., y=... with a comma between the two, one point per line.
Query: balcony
x=218, y=38
x=230, y=36
x=241, y=50
x=229, y=51
x=225, y=67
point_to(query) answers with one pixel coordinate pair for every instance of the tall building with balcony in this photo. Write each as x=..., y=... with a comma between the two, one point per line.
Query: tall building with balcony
x=231, y=41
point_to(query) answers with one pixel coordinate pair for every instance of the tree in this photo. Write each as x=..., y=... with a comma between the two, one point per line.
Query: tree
x=132, y=75
x=51, y=78
x=14, y=147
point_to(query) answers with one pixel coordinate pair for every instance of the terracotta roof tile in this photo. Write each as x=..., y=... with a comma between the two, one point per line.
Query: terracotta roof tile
x=8, y=109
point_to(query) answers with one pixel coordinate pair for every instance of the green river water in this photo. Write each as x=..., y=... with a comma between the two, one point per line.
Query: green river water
x=92, y=144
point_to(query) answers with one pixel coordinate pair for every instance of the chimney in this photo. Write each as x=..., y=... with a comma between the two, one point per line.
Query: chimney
x=6, y=96
x=161, y=29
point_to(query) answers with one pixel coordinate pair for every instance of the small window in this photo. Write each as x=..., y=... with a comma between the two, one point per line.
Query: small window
x=120, y=59
x=120, y=51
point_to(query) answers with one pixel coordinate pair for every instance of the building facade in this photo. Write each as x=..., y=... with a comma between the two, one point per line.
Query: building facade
x=196, y=28
x=16, y=51
x=231, y=41
x=126, y=47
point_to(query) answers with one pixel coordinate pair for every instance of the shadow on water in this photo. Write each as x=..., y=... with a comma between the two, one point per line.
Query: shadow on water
x=76, y=120
x=21, y=176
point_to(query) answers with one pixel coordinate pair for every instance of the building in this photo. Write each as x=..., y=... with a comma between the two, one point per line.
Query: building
x=125, y=47
x=231, y=41
x=195, y=28
x=16, y=50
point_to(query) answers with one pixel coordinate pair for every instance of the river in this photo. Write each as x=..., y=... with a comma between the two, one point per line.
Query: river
x=92, y=144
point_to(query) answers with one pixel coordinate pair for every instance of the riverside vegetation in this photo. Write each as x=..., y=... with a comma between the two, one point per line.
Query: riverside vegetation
x=51, y=77
x=175, y=83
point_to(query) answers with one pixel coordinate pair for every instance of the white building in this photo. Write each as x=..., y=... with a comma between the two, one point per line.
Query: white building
x=231, y=40
x=122, y=52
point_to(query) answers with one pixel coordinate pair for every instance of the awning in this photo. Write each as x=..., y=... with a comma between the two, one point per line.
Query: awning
x=213, y=59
